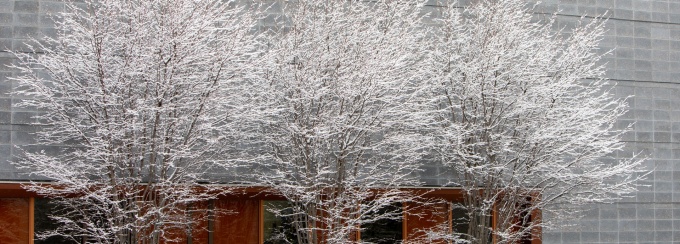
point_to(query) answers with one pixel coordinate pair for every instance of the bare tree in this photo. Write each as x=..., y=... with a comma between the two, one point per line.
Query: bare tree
x=524, y=118
x=137, y=96
x=347, y=101
x=333, y=134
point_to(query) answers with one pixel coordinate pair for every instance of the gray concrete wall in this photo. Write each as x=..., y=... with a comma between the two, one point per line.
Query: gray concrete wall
x=645, y=36
x=19, y=20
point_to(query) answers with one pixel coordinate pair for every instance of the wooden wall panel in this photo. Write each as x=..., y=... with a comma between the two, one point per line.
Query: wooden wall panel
x=199, y=229
x=421, y=219
x=241, y=226
x=14, y=223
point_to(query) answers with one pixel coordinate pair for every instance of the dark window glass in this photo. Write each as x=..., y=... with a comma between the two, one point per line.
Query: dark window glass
x=42, y=222
x=278, y=229
x=460, y=219
x=384, y=231
x=461, y=222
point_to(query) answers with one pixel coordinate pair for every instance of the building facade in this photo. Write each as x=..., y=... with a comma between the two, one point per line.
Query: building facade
x=644, y=36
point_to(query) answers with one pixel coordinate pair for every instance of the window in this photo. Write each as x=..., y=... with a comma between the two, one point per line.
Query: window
x=384, y=231
x=42, y=221
x=278, y=230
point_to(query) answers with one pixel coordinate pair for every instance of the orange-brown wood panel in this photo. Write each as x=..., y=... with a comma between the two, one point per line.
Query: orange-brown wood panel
x=199, y=228
x=31, y=220
x=423, y=219
x=14, y=190
x=260, y=230
x=536, y=237
x=174, y=235
x=239, y=222
x=14, y=223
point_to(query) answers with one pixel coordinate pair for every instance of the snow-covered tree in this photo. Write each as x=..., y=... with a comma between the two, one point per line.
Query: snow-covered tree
x=523, y=117
x=136, y=95
x=333, y=137
x=346, y=102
